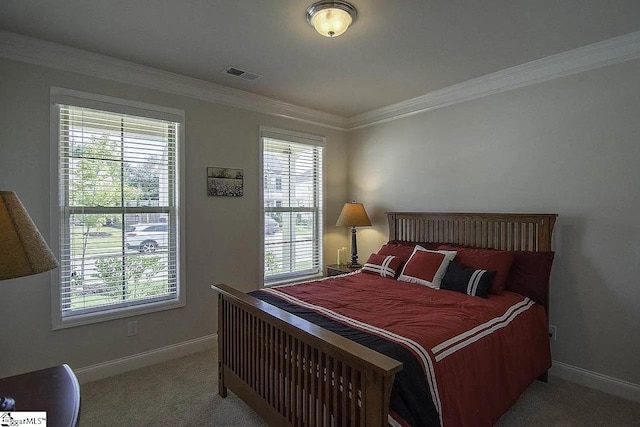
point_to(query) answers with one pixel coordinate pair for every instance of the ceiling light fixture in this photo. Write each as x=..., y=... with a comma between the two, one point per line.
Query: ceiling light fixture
x=331, y=18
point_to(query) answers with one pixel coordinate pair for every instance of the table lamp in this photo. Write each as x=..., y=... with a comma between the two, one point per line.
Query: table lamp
x=23, y=251
x=353, y=215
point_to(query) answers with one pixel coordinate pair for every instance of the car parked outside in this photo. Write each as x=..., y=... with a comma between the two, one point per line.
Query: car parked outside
x=147, y=237
x=271, y=226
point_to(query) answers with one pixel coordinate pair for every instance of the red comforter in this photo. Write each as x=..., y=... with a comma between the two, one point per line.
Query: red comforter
x=478, y=355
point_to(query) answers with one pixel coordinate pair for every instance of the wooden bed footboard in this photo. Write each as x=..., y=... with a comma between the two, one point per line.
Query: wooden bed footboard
x=294, y=373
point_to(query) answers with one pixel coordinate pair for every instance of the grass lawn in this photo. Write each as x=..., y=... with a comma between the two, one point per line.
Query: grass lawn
x=106, y=242
x=103, y=241
x=304, y=230
x=134, y=292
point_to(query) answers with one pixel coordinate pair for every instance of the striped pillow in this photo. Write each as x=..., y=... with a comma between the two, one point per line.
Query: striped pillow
x=487, y=259
x=467, y=280
x=382, y=265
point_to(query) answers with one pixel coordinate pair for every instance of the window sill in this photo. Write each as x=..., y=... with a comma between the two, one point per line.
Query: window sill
x=90, y=318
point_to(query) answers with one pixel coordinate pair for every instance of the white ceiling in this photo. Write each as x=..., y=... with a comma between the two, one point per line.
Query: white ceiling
x=396, y=50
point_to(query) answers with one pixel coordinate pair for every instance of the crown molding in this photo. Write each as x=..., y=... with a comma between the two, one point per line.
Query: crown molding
x=596, y=55
x=40, y=52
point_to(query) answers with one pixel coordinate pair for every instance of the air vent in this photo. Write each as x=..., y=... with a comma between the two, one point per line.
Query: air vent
x=246, y=75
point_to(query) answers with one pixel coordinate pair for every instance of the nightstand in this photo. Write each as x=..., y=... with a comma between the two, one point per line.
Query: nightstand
x=335, y=269
x=53, y=390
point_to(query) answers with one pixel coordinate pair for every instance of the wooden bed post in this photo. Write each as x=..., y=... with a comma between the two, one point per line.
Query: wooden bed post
x=546, y=231
x=378, y=392
x=391, y=219
x=222, y=389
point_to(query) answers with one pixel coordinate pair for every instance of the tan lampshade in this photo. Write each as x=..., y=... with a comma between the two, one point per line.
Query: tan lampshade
x=353, y=215
x=23, y=251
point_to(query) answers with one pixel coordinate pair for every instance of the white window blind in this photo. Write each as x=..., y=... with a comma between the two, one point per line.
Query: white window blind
x=292, y=174
x=118, y=210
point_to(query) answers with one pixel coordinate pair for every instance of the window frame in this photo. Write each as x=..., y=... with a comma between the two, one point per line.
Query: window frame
x=299, y=138
x=62, y=96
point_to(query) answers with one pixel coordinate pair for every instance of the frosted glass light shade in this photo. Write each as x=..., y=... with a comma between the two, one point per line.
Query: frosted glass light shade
x=331, y=18
x=331, y=22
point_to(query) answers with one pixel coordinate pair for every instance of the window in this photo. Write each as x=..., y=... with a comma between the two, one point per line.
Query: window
x=292, y=202
x=118, y=210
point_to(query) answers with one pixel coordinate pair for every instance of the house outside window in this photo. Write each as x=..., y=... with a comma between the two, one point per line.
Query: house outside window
x=118, y=213
x=292, y=204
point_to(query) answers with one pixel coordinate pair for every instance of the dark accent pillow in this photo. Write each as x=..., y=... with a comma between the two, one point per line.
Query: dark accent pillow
x=383, y=265
x=529, y=275
x=485, y=259
x=467, y=280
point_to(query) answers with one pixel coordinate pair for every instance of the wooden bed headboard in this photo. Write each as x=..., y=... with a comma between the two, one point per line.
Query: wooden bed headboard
x=504, y=231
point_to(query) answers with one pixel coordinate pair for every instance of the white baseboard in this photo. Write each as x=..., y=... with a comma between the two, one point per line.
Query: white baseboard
x=607, y=384
x=140, y=360
x=597, y=381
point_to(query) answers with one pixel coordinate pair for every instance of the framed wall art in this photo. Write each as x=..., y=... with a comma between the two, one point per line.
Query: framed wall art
x=225, y=182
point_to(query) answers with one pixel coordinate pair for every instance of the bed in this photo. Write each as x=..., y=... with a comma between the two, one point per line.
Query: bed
x=283, y=352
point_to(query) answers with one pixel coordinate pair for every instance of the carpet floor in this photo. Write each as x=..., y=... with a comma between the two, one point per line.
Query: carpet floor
x=183, y=392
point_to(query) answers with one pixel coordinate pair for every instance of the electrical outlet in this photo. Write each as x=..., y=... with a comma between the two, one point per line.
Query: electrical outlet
x=553, y=332
x=132, y=328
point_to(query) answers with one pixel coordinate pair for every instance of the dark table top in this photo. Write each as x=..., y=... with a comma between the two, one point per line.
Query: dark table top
x=54, y=390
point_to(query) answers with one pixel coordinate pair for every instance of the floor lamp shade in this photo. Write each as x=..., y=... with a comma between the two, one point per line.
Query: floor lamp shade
x=23, y=250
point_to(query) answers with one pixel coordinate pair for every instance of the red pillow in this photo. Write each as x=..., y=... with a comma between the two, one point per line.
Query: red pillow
x=383, y=265
x=403, y=249
x=529, y=275
x=399, y=250
x=427, y=245
x=426, y=267
x=485, y=259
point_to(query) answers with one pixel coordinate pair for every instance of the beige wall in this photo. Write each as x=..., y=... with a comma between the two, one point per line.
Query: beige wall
x=221, y=242
x=569, y=146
